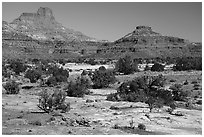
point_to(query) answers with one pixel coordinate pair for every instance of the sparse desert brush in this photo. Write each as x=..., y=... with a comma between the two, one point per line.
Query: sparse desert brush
x=102, y=78
x=12, y=87
x=49, y=102
x=148, y=89
x=33, y=75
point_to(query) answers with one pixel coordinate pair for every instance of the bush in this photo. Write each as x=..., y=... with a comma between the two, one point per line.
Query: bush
x=141, y=126
x=146, y=89
x=17, y=66
x=77, y=88
x=178, y=93
x=49, y=102
x=51, y=81
x=33, y=75
x=126, y=65
x=157, y=67
x=102, y=78
x=60, y=74
x=12, y=87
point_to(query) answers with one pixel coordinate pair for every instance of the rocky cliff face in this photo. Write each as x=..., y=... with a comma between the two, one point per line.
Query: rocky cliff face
x=143, y=42
x=39, y=35
x=43, y=26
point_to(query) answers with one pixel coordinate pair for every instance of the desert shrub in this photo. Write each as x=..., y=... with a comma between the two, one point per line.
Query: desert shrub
x=199, y=102
x=196, y=85
x=51, y=81
x=102, y=78
x=126, y=65
x=77, y=88
x=33, y=75
x=172, y=80
x=196, y=88
x=178, y=93
x=141, y=126
x=186, y=82
x=60, y=74
x=49, y=102
x=17, y=66
x=194, y=82
x=12, y=87
x=157, y=67
x=146, y=89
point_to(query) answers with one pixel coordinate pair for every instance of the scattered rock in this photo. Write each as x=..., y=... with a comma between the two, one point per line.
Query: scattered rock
x=145, y=118
x=114, y=108
x=117, y=113
x=51, y=119
x=36, y=123
x=89, y=101
x=63, y=123
x=20, y=116
x=64, y=119
x=97, y=100
x=178, y=113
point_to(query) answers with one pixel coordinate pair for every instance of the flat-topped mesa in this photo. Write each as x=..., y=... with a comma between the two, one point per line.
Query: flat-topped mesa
x=43, y=13
x=143, y=28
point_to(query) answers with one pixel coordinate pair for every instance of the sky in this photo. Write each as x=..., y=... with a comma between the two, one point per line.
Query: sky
x=111, y=21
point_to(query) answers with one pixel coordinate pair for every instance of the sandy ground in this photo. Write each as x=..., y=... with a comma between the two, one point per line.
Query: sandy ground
x=20, y=115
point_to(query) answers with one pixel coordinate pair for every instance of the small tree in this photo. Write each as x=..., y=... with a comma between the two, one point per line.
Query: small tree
x=102, y=78
x=126, y=65
x=148, y=89
x=33, y=75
